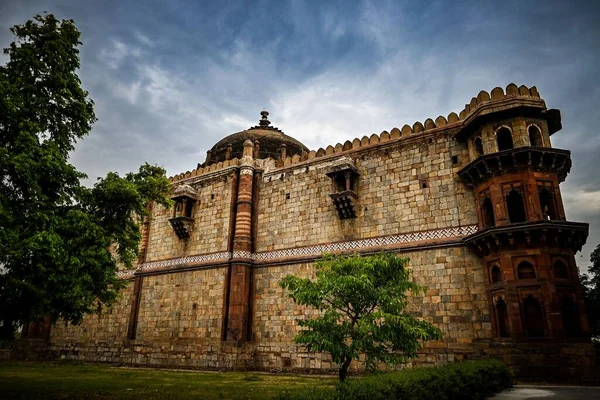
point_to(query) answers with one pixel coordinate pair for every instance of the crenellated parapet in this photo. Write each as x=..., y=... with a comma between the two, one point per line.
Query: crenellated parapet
x=204, y=171
x=454, y=124
x=457, y=125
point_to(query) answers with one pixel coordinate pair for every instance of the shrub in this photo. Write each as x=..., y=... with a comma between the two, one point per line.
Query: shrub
x=469, y=380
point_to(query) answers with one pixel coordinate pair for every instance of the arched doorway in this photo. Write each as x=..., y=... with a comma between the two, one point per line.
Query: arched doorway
x=561, y=271
x=487, y=210
x=502, y=318
x=535, y=135
x=547, y=204
x=504, y=139
x=478, y=146
x=516, y=207
x=525, y=270
x=570, y=316
x=533, y=316
x=496, y=275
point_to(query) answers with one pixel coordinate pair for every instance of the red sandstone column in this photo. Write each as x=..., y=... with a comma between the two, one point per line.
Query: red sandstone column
x=238, y=318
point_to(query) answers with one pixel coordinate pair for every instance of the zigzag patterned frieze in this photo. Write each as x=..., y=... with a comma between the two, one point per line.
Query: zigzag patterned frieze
x=126, y=273
x=407, y=238
x=176, y=262
x=242, y=254
x=402, y=239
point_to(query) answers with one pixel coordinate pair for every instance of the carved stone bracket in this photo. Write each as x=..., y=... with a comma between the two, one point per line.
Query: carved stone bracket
x=345, y=203
x=182, y=226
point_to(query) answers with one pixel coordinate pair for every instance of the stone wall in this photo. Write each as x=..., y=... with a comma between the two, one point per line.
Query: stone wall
x=181, y=313
x=179, y=323
x=250, y=232
x=295, y=208
x=455, y=301
x=182, y=307
x=110, y=326
x=99, y=337
x=211, y=215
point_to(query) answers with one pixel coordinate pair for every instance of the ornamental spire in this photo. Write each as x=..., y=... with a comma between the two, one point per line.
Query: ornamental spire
x=264, y=122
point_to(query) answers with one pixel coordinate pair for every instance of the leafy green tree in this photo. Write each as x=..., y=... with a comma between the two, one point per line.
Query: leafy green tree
x=60, y=242
x=590, y=285
x=362, y=310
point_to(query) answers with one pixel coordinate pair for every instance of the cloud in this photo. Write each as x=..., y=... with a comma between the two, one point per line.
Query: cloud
x=582, y=202
x=171, y=79
x=117, y=53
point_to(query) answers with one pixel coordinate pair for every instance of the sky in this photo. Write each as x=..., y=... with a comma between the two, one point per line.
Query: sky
x=171, y=78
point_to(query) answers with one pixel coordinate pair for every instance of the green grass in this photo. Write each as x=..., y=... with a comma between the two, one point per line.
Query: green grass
x=35, y=380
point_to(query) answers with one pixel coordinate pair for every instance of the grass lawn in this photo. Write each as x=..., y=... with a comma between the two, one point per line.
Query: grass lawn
x=36, y=380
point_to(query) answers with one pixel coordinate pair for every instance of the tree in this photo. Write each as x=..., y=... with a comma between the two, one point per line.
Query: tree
x=362, y=310
x=590, y=285
x=60, y=242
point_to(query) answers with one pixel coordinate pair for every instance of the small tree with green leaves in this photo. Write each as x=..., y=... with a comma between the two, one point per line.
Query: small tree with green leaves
x=362, y=310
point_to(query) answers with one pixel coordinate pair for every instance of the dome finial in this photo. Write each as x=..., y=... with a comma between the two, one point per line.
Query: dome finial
x=264, y=122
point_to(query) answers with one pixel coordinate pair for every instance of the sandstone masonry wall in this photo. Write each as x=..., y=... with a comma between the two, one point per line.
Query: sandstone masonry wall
x=180, y=315
x=98, y=335
x=179, y=324
x=182, y=307
x=211, y=215
x=295, y=208
x=456, y=301
x=409, y=183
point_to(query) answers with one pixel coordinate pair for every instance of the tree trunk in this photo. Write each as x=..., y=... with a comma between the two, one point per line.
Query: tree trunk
x=344, y=368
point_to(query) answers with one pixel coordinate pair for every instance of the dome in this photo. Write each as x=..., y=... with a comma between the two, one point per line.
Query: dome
x=270, y=140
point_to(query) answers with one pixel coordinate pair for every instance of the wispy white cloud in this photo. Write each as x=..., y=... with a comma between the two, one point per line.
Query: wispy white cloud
x=143, y=39
x=117, y=52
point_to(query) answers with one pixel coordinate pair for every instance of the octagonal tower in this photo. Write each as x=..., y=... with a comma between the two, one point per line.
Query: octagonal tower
x=524, y=239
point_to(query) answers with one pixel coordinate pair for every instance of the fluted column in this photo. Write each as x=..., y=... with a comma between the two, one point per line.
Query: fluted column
x=238, y=315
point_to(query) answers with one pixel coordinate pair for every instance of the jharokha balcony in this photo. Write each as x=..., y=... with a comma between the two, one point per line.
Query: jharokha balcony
x=529, y=158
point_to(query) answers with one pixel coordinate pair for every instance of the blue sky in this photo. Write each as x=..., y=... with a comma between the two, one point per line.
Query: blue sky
x=171, y=78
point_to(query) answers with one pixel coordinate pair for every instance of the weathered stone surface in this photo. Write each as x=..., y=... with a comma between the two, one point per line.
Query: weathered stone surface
x=212, y=301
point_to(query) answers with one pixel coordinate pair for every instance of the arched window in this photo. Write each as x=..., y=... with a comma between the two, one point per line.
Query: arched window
x=504, y=138
x=525, y=270
x=496, y=275
x=516, y=207
x=478, y=146
x=560, y=270
x=547, y=204
x=533, y=316
x=487, y=211
x=502, y=318
x=570, y=316
x=535, y=135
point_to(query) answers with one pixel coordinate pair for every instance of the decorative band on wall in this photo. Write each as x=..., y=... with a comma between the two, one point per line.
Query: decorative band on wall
x=405, y=238
x=243, y=254
x=126, y=273
x=402, y=239
x=175, y=262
